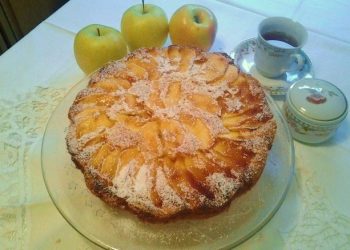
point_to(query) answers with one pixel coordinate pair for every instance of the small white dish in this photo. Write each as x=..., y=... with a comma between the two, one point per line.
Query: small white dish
x=243, y=56
x=314, y=109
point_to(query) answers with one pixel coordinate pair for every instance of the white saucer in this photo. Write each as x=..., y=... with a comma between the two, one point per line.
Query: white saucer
x=243, y=56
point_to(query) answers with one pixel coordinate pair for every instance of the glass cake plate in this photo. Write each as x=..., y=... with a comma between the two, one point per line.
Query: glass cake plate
x=119, y=229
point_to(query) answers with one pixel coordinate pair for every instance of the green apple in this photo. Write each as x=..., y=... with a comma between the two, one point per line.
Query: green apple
x=144, y=26
x=193, y=25
x=95, y=45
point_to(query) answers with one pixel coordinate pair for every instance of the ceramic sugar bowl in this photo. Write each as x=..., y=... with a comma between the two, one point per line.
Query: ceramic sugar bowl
x=314, y=109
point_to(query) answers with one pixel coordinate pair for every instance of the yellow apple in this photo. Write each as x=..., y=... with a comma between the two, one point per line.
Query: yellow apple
x=95, y=45
x=144, y=26
x=193, y=25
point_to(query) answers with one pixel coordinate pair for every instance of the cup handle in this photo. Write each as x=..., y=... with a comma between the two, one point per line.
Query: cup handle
x=300, y=61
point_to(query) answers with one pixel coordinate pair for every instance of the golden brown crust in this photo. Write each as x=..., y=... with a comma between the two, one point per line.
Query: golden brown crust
x=170, y=133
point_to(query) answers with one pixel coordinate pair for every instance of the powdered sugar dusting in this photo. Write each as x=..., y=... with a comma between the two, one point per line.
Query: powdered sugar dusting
x=85, y=155
x=168, y=135
x=123, y=180
x=254, y=88
x=264, y=114
x=133, y=118
x=121, y=136
x=212, y=121
x=141, y=89
x=164, y=65
x=90, y=91
x=171, y=112
x=222, y=186
x=108, y=71
x=233, y=104
x=72, y=140
x=171, y=200
x=189, y=193
x=143, y=182
x=142, y=55
x=189, y=145
x=89, y=136
x=119, y=107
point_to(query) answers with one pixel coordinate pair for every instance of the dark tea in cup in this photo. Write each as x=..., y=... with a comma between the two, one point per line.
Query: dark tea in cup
x=279, y=44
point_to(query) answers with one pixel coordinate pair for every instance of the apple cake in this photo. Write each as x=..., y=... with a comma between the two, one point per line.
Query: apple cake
x=170, y=132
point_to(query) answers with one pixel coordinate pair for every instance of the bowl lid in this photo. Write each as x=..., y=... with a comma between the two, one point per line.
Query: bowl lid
x=317, y=100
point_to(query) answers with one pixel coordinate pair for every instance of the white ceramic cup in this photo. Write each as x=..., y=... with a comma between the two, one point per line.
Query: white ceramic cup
x=279, y=44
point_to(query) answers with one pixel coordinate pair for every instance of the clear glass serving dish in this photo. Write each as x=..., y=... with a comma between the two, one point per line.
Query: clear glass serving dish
x=118, y=229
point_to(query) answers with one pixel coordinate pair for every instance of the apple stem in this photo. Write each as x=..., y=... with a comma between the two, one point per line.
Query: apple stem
x=197, y=19
x=98, y=32
x=143, y=6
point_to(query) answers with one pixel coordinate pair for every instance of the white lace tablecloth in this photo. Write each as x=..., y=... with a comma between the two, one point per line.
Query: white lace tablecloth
x=36, y=73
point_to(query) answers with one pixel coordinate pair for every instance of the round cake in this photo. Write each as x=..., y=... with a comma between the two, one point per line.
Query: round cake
x=170, y=132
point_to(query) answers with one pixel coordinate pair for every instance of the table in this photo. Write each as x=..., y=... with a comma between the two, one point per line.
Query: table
x=37, y=72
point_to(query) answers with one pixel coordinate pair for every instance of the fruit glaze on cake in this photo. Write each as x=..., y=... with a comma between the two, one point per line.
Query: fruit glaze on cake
x=170, y=132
